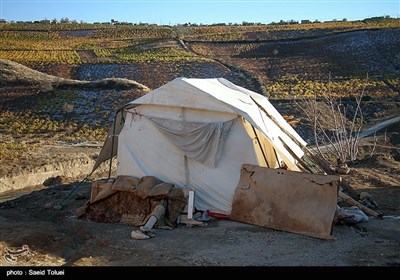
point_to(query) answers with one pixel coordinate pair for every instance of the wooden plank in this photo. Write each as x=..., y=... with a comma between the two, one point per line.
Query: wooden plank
x=364, y=208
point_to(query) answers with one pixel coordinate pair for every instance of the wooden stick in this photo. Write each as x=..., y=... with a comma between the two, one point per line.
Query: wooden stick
x=325, y=167
x=276, y=122
x=320, y=161
x=293, y=154
x=365, y=209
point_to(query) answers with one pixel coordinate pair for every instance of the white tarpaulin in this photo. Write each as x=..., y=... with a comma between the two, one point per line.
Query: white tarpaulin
x=197, y=133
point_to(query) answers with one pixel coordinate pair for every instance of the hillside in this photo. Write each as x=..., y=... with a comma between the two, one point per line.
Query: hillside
x=271, y=59
x=343, y=56
x=90, y=62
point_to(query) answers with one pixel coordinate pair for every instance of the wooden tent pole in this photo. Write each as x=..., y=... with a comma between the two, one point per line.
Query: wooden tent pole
x=259, y=144
x=293, y=154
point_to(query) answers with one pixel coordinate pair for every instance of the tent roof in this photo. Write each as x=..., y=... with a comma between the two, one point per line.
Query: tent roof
x=218, y=94
x=188, y=93
x=203, y=94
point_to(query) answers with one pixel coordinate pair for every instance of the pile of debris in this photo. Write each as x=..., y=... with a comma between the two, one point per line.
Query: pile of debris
x=352, y=207
x=146, y=203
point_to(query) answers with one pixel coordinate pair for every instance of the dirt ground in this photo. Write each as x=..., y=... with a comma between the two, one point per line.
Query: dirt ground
x=56, y=237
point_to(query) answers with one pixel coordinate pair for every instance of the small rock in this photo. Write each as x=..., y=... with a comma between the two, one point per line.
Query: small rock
x=343, y=169
x=138, y=235
x=50, y=192
x=48, y=205
x=365, y=195
x=52, y=181
x=56, y=238
x=57, y=207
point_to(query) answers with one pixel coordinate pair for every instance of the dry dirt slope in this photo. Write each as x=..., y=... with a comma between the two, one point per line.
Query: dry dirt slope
x=17, y=74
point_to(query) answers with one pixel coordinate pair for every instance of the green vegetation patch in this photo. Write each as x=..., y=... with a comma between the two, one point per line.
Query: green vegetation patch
x=20, y=125
x=135, y=32
x=62, y=57
x=133, y=54
x=289, y=87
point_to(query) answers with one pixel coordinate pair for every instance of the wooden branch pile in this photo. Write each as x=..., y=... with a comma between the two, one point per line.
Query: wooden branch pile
x=348, y=194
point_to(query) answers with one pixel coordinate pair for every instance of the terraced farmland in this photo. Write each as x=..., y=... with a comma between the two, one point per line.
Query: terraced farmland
x=280, y=61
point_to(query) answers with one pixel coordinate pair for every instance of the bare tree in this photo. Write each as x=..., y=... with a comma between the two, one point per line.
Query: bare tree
x=336, y=129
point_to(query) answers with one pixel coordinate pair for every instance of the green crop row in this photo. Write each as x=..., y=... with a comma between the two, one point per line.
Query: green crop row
x=51, y=40
x=26, y=123
x=160, y=54
x=135, y=33
x=278, y=31
x=289, y=87
x=67, y=57
x=85, y=133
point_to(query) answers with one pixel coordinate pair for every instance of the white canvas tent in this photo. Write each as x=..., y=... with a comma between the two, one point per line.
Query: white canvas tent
x=197, y=134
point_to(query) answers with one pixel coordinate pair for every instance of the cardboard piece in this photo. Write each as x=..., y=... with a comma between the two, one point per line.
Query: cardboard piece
x=286, y=200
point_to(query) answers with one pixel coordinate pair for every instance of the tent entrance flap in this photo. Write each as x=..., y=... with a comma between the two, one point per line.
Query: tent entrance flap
x=202, y=142
x=286, y=200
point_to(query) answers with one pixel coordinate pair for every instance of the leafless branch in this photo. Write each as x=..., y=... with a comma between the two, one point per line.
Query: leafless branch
x=334, y=132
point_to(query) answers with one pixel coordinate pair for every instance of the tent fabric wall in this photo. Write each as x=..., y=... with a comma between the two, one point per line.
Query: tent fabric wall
x=143, y=151
x=110, y=146
x=258, y=135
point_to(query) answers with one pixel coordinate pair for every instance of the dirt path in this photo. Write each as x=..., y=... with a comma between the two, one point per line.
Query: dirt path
x=366, y=132
x=379, y=126
x=87, y=56
x=229, y=66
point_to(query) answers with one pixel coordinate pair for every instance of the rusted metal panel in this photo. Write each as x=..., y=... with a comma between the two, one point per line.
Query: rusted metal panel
x=286, y=200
